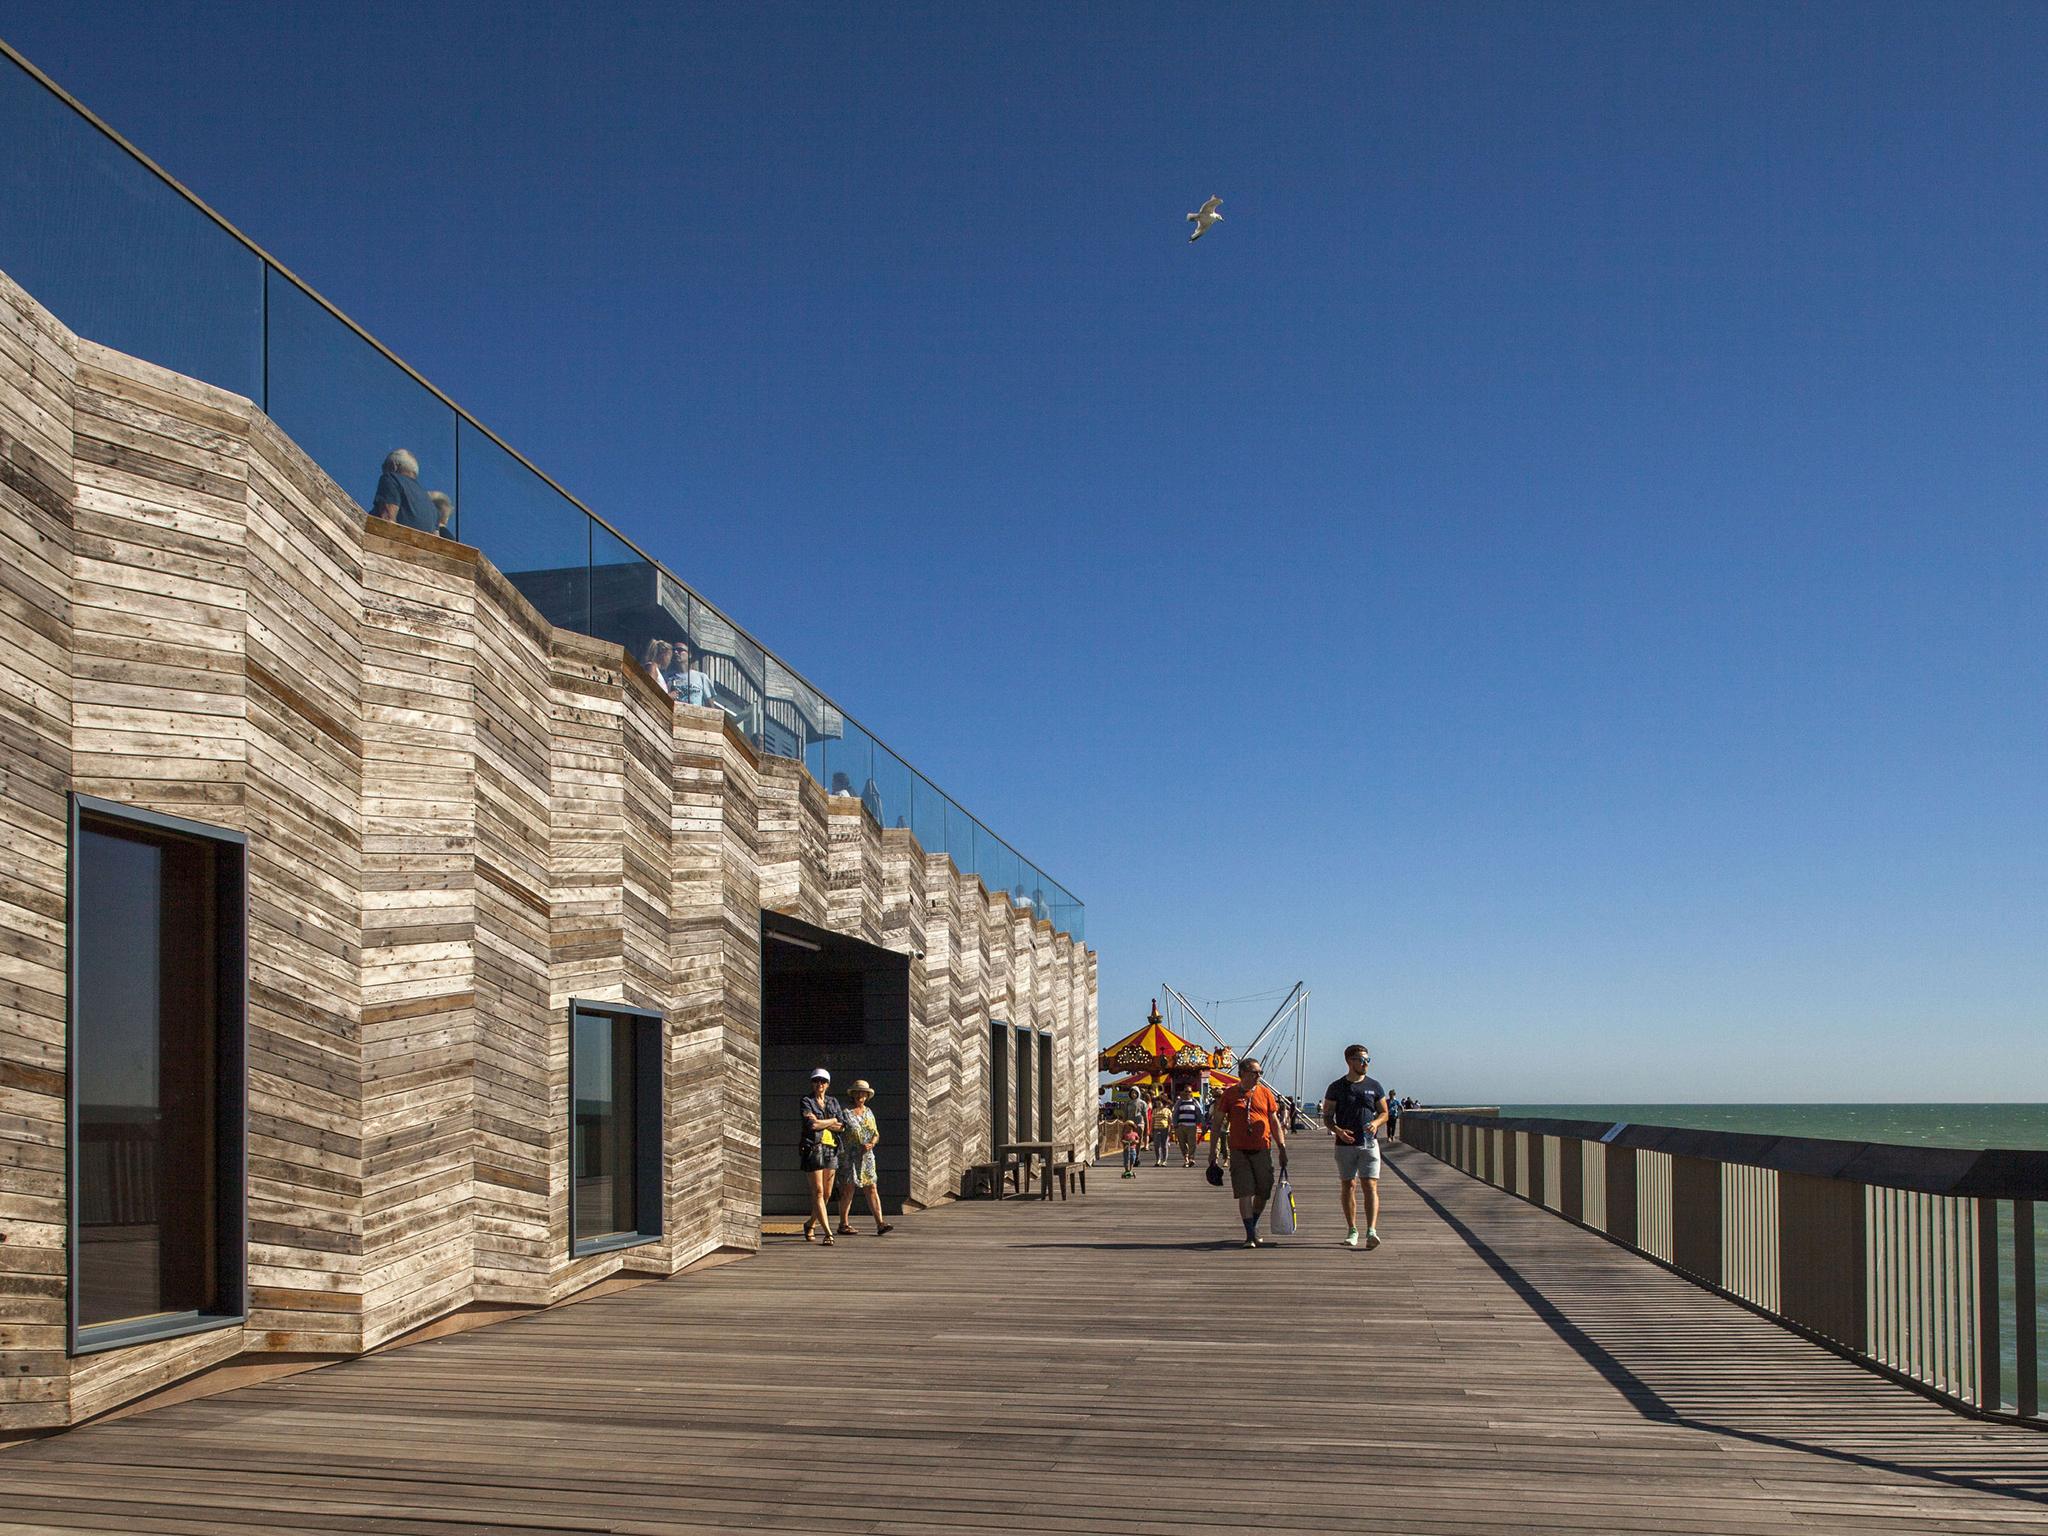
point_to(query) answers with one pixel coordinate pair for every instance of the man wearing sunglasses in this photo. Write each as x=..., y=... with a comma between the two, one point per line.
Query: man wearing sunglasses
x=1355, y=1108
x=1249, y=1114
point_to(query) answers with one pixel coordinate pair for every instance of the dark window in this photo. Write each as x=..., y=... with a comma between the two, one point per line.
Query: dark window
x=157, y=1004
x=615, y=1129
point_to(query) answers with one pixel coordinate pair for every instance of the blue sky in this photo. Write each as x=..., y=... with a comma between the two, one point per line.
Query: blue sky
x=1560, y=568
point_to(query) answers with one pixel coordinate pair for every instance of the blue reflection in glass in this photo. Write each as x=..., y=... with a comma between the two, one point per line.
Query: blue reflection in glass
x=928, y=815
x=891, y=807
x=114, y=251
x=527, y=529
x=349, y=406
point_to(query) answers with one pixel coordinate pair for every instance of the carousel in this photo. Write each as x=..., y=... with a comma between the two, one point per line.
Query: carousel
x=1155, y=1058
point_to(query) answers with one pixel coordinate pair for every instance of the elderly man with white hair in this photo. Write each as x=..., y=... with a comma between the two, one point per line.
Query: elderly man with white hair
x=401, y=499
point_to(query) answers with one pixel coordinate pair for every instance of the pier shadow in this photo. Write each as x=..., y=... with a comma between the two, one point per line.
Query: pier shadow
x=1679, y=1361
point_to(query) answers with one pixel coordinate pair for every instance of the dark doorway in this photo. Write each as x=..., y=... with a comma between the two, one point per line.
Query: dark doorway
x=833, y=1002
x=1044, y=1086
x=998, y=1085
x=1026, y=1131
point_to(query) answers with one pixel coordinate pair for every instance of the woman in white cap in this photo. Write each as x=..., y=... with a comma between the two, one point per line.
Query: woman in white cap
x=857, y=1165
x=819, y=1150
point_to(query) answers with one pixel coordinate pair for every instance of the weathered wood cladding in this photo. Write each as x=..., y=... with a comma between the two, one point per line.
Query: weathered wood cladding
x=458, y=819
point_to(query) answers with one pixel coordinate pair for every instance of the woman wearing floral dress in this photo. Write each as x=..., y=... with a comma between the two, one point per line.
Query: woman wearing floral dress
x=857, y=1167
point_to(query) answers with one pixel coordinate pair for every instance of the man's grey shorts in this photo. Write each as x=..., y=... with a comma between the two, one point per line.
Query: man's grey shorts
x=1360, y=1162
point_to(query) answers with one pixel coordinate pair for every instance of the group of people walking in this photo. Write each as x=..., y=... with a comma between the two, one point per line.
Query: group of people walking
x=1251, y=1135
x=838, y=1148
x=1172, y=1124
x=1248, y=1126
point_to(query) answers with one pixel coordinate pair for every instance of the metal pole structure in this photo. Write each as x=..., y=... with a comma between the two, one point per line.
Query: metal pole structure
x=1300, y=1046
x=1286, y=1003
x=1191, y=1011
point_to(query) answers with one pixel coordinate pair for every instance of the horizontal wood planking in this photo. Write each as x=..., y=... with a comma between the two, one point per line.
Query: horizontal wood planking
x=458, y=819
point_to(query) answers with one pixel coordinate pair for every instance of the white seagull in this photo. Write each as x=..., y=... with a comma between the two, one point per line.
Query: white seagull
x=1204, y=218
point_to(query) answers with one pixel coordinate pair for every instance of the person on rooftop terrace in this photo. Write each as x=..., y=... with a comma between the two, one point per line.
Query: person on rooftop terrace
x=686, y=679
x=657, y=658
x=400, y=497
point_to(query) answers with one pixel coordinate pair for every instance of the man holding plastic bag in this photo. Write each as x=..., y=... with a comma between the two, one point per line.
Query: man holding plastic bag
x=1249, y=1114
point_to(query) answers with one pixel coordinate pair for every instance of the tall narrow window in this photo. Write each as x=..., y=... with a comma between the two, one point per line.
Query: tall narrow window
x=615, y=1127
x=157, y=1006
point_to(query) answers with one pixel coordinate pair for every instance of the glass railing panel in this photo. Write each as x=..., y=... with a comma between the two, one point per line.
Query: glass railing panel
x=527, y=529
x=960, y=829
x=625, y=608
x=891, y=803
x=118, y=254
x=927, y=814
x=849, y=763
x=718, y=664
x=799, y=719
x=357, y=414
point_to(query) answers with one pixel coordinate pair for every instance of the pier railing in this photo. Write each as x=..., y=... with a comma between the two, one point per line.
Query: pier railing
x=1919, y=1262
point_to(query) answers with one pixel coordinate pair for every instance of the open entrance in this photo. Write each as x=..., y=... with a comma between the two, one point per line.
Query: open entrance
x=833, y=1002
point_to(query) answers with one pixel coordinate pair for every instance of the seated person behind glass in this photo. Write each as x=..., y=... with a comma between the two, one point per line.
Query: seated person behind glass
x=400, y=497
x=686, y=680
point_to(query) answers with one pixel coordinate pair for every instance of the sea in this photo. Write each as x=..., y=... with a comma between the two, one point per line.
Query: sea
x=2021, y=1126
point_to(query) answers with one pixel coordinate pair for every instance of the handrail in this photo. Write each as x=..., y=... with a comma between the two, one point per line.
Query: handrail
x=272, y=264
x=1919, y=1263
x=1963, y=1172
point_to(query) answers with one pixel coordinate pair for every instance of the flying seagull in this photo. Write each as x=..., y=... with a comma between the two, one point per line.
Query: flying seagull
x=1203, y=219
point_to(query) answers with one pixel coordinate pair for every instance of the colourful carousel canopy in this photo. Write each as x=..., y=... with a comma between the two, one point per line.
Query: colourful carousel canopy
x=1145, y=1050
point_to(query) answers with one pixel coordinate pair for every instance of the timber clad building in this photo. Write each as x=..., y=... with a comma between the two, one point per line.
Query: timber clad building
x=381, y=945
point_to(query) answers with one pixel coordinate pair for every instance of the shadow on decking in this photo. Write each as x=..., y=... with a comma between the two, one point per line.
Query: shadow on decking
x=1677, y=1368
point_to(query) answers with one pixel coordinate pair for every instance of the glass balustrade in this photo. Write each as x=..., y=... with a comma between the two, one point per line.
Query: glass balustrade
x=104, y=245
x=125, y=258
x=358, y=415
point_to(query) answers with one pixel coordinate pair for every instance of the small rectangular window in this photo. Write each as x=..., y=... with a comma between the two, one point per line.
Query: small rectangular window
x=158, y=1006
x=615, y=1127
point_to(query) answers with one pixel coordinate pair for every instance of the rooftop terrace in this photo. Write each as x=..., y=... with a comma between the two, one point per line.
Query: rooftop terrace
x=127, y=257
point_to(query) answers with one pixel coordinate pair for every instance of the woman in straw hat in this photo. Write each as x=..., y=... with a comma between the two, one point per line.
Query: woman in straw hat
x=857, y=1167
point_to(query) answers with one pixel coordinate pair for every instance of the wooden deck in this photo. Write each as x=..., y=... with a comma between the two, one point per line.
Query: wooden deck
x=1111, y=1365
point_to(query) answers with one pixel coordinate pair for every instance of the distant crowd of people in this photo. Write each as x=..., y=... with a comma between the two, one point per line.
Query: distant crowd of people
x=836, y=1150
x=1246, y=1126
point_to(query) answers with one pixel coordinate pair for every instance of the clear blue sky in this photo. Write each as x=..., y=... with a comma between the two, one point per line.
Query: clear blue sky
x=1561, y=568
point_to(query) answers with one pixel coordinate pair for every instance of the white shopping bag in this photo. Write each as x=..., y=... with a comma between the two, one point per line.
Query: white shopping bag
x=1283, y=1206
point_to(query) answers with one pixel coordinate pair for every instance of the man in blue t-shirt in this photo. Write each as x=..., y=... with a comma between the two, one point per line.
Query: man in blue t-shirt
x=1355, y=1108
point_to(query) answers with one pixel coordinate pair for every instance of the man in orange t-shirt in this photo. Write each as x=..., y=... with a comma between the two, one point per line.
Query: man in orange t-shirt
x=1250, y=1116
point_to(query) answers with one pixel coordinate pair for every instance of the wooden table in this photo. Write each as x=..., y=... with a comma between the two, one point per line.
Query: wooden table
x=1024, y=1152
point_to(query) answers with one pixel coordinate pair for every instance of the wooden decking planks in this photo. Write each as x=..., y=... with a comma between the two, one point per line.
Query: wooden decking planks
x=1108, y=1365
